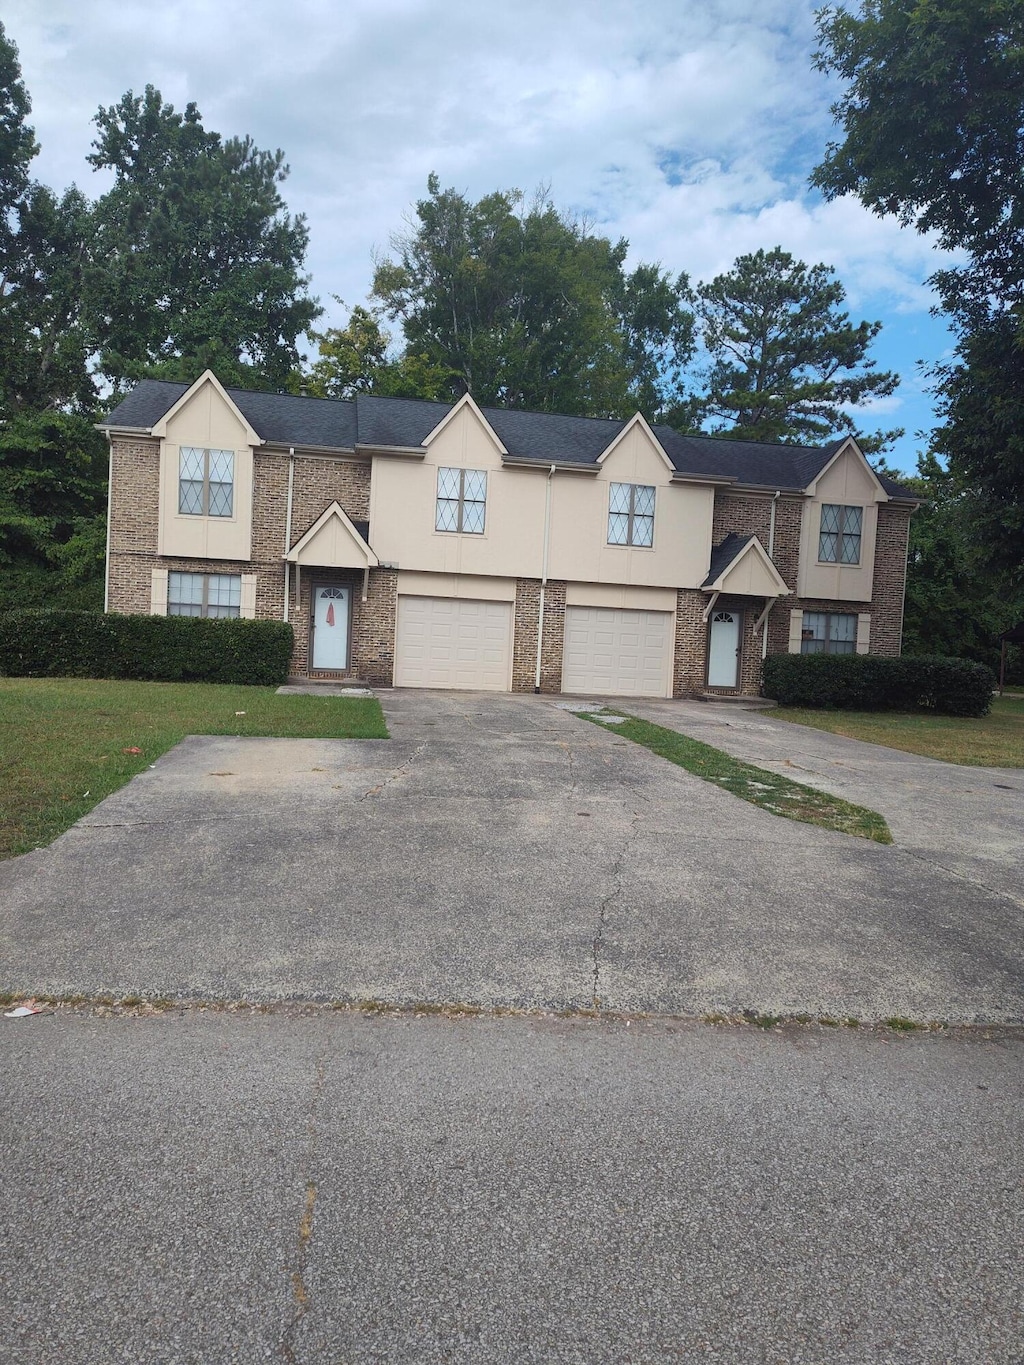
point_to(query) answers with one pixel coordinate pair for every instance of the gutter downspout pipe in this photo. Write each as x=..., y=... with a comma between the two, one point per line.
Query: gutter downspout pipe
x=288, y=529
x=771, y=556
x=106, y=562
x=543, y=575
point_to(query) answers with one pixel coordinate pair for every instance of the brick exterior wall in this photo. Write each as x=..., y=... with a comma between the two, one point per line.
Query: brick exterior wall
x=890, y=579
x=524, y=647
x=318, y=482
x=691, y=644
x=886, y=606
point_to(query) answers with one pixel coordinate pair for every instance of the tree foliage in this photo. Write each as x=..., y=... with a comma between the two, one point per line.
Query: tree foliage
x=932, y=117
x=358, y=358
x=524, y=307
x=786, y=363
x=198, y=262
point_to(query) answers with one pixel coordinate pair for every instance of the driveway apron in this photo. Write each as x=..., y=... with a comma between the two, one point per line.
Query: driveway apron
x=501, y=852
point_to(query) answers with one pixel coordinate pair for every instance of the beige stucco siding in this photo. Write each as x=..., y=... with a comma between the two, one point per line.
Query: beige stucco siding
x=209, y=421
x=682, y=523
x=613, y=595
x=403, y=498
x=848, y=482
x=457, y=585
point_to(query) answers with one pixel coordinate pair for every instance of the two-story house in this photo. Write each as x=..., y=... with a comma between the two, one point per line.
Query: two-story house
x=419, y=544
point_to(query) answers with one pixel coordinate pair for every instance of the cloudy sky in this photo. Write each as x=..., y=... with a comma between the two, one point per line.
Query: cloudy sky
x=688, y=126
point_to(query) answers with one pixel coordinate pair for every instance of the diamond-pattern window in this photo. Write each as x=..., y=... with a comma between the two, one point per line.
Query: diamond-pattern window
x=191, y=469
x=206, y=482
x=828, y=633
x=461, y=500
x=840, y=535
x=197, y=594
x=631, y=514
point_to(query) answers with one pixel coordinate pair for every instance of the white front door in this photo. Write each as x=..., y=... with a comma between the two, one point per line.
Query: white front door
x=330, y=627
x=724, y=654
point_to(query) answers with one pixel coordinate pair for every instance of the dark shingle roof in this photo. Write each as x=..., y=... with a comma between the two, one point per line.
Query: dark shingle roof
x=723, y=554
x=285, y=418
x=334, y=423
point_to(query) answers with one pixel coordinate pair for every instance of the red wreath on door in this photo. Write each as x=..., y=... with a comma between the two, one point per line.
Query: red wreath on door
x=330, y=613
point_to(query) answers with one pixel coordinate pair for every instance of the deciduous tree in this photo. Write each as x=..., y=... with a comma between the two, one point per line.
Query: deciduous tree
x=197, y=260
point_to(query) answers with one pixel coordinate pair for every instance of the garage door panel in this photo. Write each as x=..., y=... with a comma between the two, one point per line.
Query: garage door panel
x=450, y=642
x=618, y=652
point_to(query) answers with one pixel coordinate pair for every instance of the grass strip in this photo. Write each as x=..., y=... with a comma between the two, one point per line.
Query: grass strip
x=770, y=791
x=66, y=743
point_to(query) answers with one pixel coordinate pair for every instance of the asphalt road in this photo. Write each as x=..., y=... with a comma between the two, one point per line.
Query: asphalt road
x=500, y=851
x=334, y=1189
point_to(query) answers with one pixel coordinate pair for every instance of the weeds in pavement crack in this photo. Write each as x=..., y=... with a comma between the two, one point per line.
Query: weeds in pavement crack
x=300, y=1290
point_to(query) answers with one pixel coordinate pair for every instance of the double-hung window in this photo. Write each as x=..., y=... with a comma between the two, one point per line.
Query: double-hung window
x=461, y=500
x=839, y=540
x=206, y=482
x=631, y=514
x=826, y=632
x=203, y=594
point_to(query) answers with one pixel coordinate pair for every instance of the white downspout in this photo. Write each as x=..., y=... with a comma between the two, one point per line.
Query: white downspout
x=543, y=574
x=771, y=556
x=106, y=562
x=288, y=529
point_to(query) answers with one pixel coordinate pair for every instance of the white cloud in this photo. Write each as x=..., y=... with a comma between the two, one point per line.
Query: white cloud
x=688, y=128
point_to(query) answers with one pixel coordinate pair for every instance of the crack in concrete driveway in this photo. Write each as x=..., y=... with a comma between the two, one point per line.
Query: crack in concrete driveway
x=480, y=879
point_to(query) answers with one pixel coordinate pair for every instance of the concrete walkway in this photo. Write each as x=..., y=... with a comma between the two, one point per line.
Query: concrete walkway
x=969, y=821
x=501, y=851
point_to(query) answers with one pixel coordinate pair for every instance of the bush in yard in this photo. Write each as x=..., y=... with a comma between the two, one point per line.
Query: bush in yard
x=85, y=644
x=871, y=682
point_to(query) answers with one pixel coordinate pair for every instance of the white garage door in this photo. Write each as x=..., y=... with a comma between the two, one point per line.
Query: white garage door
x=619, y=653
x=453, y=642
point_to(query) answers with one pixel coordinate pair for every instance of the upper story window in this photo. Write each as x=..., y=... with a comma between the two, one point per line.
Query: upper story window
x=839, y=541
x=206, y=482
x=631, y=514
x=827, y=632
x=204, y=594
x=461, y=500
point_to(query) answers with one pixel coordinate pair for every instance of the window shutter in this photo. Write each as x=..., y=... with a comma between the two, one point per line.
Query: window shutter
x=796, y=626
x=247, y=607
x=158, y=594
x=863, y=632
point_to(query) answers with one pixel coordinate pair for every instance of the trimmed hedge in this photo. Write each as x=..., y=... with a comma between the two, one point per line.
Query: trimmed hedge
x=872, y=682
x=86, y=644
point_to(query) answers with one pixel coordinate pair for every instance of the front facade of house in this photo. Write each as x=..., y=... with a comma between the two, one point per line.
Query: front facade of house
x=424, y=545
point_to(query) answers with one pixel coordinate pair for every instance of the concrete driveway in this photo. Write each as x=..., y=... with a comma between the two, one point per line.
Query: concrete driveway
x=499, y=851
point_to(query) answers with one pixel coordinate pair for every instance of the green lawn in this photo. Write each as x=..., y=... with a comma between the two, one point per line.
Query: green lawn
x=769, y=790
x=63, y=740
x=992, y=741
